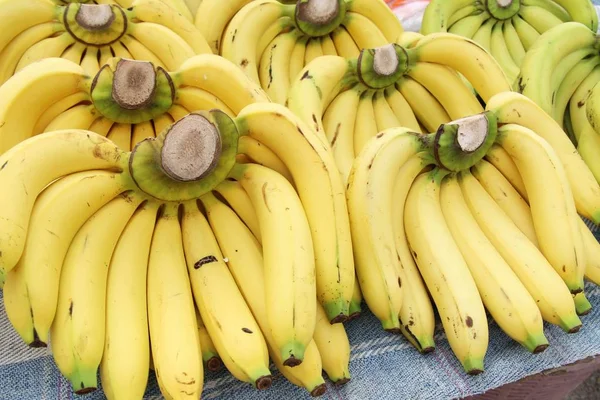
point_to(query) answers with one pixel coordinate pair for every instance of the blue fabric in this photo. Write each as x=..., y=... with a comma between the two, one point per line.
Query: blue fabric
x=383, y=366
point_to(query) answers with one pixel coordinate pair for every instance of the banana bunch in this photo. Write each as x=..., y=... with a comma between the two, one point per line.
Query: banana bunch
x=90, y=34
x=272, y=41
x=101, y=246
x=485, y=211
x=419, y=82
x=559, y=74
x=127, y=100
x=507, y=29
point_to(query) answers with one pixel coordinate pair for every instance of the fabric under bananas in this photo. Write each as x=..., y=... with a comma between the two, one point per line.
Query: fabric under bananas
x=126, y=101
x=90, y=34
x=508, y=29
x=272, y=41
x=73, y=184
x=532, y=250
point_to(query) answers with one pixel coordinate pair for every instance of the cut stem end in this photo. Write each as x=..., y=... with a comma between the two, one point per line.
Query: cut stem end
x=95, y=17
x=134, y=84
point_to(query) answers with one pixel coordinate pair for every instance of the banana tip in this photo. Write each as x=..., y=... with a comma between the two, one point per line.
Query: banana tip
x=341, y=381
x=584, y=312
x=475, y=371
x=539, y=349
x=264, y=382
x=292, y=362
x=338, y=319
x=352, y=316
x=574, y=329
x=85, y=390
x=214, y=364
x=319, y=390
x=395, y=331
x=426, y=350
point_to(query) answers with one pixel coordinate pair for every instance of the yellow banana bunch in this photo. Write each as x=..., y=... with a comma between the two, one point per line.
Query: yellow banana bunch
x=348, y=101
x=82, y=200
x=508, y=29
x=272, y=41
x=90, y=34
x=126, y=101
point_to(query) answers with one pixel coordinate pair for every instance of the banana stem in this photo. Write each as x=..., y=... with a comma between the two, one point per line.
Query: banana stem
x=385, y=60
x=95, y=16
x=191, y=149
x=504, y=3
x=134, y=84
x=319, y=17
x=383, y=66
x=503, y=9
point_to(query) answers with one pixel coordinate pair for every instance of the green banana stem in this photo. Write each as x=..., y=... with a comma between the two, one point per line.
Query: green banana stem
x=383, y=66
x=503, y=9
x=461, y=144
x=319, y=17
x=128, y=91
x=190, y=158
x=95, y=24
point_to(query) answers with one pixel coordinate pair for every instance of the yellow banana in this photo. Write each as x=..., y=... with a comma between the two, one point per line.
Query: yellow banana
x=212, y=16
x=238, y=200
x=334, y=347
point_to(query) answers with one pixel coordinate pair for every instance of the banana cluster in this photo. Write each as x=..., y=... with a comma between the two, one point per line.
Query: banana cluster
x=126, y=100
x=507, y=29
x=420, y=83
x=272, y=41
x=106, y=251
x=485, y=211
x=559, y=74
x=90, y=34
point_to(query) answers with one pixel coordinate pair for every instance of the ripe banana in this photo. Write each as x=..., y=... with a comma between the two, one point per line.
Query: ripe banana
x=503, y=295
x=446, y=273
x=212, y=16
x=334, y=347
x=224, y=312
x=210, y=356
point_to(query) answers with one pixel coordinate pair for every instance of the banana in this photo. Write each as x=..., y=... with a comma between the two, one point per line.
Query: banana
x=196, y=99
x=120, y=134
x=227, y=318
x=58, y=108
x=578, y=102
x=327, y=46
x=274, y=67
x=463, y=12
x=426, y=108
x=439, y=12
x=401, y=109
x=339, y=120
x=365, y=126
x=481, y=70
x=31, y=165
x=245, y=261
x=592, y=248
x=262, y=155
x=126, y=358
x=569, y=83
x=378, y=11
x=365, y=32
x=537, y=68
x=210, y=356
x=384, y=115
x=89, y=62
x=162, y=122
x=33, y=90
x=176, y=352
x=80, y=116
x=177, y=112
x=14, y=50
x=297, y=58
x=212, y=16
x=409, y=39
x=507, y=197
x=37, y=12
x=139, y=52
x=237, y=91
x=316, y=178
x=240, y=203
x=529, y=264
x=513, y=108
x=344, y=43
x=502, y=161
x=503, y=295
x=379, y=270
x=552, y=6
x=355, y=303
x=241, y=36
x=448, y=88
x=446, y=273
x=581, y=11
x=121, y=51
x=539, y=18
x=551, y=201
x=75, y=53
x=417, y=321
x=468, y=26
x=281, y=25
x=78, y=331
x=483, y=36
x=313, y=50
x=588, y=147
x=289, y=258
x=170, y=48
x=500, y=51
x=582, y=304
x=334, y=347
x=513, y=43
x=59, y=212
x=526, y=32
